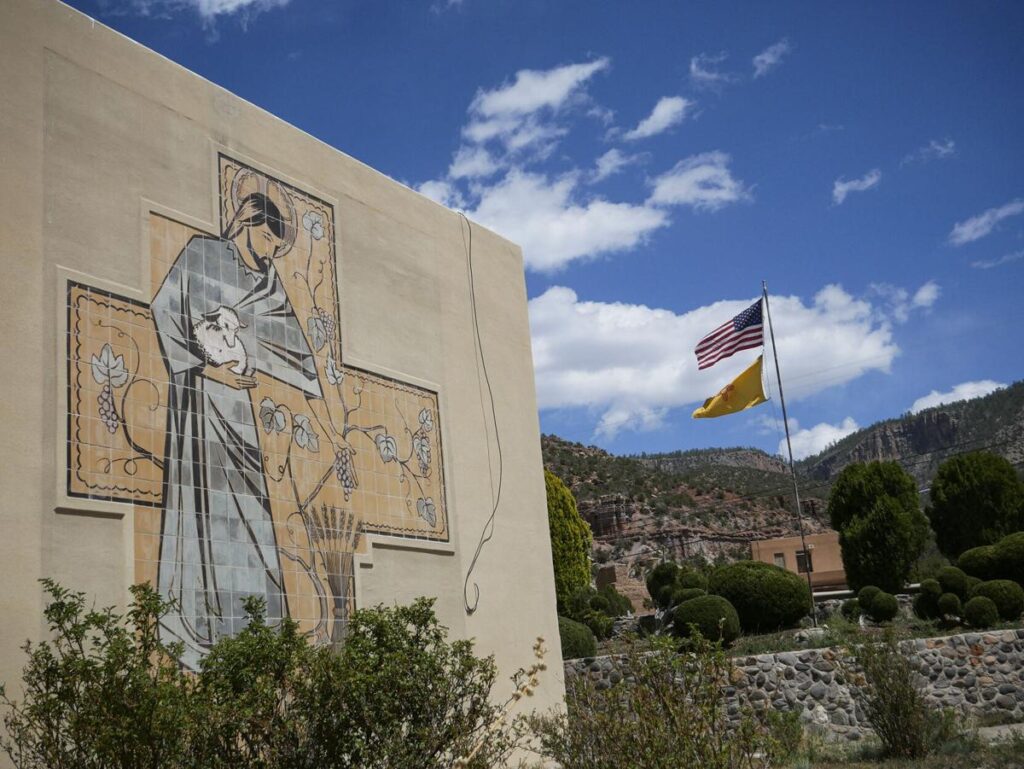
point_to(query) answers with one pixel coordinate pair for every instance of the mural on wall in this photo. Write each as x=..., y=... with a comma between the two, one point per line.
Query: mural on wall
x=255, y=460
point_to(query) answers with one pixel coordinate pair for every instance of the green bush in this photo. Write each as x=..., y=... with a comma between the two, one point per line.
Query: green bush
x=882, y=531
x=683, y=594
x=976, y=499
x=1008, y=597
x=577, y=639
x=972, y=585
x=618, y=604
x=661, y=582
x=949, y=605
x=926, y=605
x=765, y=596
x=713, y=616
x=981, y=612
x=979, y=562
x=867, y=594
x=692, y=579
x=1009, y=557
x=851, y=609
x=883, y=607
x=571, y=541
x=953, y=580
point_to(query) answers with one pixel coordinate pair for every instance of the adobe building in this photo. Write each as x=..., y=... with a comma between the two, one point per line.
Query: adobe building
x=238, y=362
x=823, y=558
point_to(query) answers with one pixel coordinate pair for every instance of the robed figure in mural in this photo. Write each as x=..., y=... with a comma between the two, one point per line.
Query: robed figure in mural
x=223, y=320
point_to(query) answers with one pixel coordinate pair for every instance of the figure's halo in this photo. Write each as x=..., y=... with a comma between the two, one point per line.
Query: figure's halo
x=247, y=181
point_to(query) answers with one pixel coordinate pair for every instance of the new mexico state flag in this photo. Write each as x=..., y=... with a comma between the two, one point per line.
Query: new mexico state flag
x=744, y=392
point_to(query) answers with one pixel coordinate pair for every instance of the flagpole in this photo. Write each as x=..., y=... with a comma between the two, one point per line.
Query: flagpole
x=789, y=445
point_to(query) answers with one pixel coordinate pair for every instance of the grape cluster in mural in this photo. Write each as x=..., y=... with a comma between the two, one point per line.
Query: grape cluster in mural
x=255, y=460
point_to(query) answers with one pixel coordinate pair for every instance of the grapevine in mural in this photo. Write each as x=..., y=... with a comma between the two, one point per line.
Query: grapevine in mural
x=224, y=406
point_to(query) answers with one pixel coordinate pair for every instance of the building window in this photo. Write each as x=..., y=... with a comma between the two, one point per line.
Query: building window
x=780, y=560
x=804, y=562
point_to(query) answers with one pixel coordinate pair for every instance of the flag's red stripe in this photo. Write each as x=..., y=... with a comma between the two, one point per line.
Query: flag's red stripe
x=749, y=333
x=743, y=342
x=714, y=335
x=723, y=342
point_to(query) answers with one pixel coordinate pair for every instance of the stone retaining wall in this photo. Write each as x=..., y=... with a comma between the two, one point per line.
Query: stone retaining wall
x=975, y=673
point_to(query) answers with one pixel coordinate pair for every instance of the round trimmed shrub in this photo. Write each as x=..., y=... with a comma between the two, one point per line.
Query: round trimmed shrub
x=577, y=640
x=981, y=612
x=883, y=607
x=850, y=609
x=600, y=604
x=689, y=578
x=1009, y=557
x=867, y=594
x=765, y=596
x=712, y=615
x=1008, y=597
x=660, y=582
x=926, y=605
x=972, y=584
x=949, y=605
x=953, y=580
x=979, y=562
x=683, y=594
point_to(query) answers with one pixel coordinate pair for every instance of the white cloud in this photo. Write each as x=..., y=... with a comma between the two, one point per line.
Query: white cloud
x=669, y=111
x=988, y=264
x=702, y=181
x=934, y=150
x=981, y=225
x=631, y=363
x=704, y=71
x=961, y=392
x=472, y=163
x=898, y=302
x=542, y=215
x=812, y=440
x=610, y=163
x=770, y=57
x=441, y=192
x=208, y=10
x=533, y=90
x=842, y=187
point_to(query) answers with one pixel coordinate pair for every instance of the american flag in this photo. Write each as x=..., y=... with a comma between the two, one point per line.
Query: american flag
x=743, y=332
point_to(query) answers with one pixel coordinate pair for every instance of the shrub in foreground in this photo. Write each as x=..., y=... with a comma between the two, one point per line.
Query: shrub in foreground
x=851, y=609
x=1006, y=595
x=683, y=594
x=867, y=594
x=1009, y=557
x=926, y=605
x=577, y=639
x=979, y=562
x=953, y=580
x=104, y=692
x=711, y=615
x=883, y=607
x=671, y=715
x=765, y=597
x=981, y=612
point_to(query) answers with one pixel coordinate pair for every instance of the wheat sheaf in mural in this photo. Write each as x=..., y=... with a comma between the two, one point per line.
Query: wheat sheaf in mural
x=255, y=460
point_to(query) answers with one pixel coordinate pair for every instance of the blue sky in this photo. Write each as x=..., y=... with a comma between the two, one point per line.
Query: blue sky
x=657, y=160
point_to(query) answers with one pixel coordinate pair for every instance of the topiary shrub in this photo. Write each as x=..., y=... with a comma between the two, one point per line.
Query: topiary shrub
x=866, y=594
x=972, y=585
x=571, y=541
x=765, y=596
x=689, y=578
x=577, y=639
x=979, y=562
x=618, y=604
x=850, y=609
x=683, y=594
x=661, y=582
x=949, y=605
x=1008, y=597
x=926, y=605
x=981, y=612
x=712, y=615
x=1009, y=558
x=954, y=581
x=883, y=607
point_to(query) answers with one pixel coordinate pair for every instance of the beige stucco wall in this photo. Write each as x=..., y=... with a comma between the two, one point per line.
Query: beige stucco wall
x=95, y=131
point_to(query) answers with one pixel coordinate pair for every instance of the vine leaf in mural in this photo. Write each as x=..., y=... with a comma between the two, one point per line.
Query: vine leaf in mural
x=305, y=436
x=272, y=417
x=426, y=510
x=387, y=447
x=110, y=371
x=426, y=420
x=421, y=448
x=313, y=223
x=333, y=371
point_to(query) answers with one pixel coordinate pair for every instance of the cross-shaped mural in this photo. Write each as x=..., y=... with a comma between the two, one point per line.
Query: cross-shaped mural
x=254, y=459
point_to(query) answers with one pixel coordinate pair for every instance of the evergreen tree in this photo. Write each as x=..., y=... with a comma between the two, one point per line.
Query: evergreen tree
x=570, y=541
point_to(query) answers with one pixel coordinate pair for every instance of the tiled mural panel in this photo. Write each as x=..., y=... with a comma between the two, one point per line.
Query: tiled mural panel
x=254, y=458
